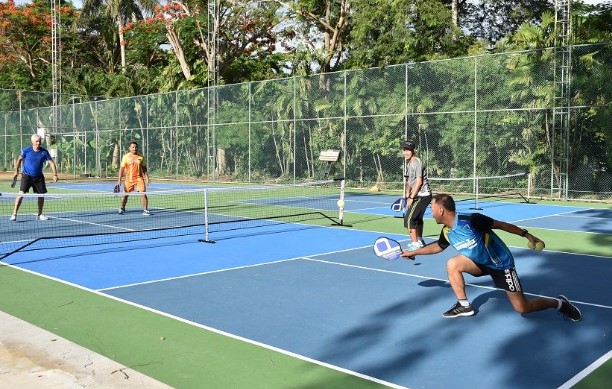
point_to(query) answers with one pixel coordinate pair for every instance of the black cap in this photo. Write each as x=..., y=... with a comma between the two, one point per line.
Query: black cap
x=408, y=144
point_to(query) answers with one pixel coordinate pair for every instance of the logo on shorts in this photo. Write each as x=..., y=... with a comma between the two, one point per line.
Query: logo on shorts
x=510, y=280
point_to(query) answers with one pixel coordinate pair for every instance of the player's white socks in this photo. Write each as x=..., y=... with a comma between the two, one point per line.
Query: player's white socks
x=464, y=303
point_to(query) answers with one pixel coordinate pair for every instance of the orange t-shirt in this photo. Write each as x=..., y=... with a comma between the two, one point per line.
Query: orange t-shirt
x=133, y=165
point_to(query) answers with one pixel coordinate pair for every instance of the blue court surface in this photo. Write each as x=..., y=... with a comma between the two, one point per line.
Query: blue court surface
x=320, y=293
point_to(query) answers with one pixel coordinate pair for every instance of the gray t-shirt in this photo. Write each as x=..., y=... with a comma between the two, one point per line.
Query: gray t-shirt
x=416, y=169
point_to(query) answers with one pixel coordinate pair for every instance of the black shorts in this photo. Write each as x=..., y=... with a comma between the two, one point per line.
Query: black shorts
x=506, y=279
x=414, y=217
x=37, y=183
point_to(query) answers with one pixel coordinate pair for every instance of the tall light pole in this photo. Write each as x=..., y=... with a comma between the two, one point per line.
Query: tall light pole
x=560, y=147
x=213, y=74
x=56, y=78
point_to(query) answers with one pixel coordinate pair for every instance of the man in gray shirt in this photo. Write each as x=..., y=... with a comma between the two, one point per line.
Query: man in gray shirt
x=418, y=195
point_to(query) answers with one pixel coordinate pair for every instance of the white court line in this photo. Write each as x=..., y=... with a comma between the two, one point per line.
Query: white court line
x=77, y=236
x=223, y=333
x=313, y=259
x=567, y=385
x=371, y=201
x=587, y=217
x=566, y=231
x=92, y=224
x=196, y=274
x=440, y=279
x=588, y=370
x=224, y=270
x=309, y=258
x=563, y=214
x=369, y=208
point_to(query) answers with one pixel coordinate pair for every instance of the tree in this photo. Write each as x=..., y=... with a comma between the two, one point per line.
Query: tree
x=491, y=20
x=589, y=136
x=120, y=12
x=233, y=41
x=592, y=23
x=320, y=27
x=386, y=33
x=25, y=43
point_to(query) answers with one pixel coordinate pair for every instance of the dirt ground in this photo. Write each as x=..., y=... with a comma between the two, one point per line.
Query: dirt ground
x=34, y=358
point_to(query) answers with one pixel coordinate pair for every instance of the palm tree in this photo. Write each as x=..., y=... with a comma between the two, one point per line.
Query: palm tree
x=120, y=12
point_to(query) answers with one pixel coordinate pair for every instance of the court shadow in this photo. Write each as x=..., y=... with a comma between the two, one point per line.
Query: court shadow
x=434, y=283
x=477, y=302
x=482, y=299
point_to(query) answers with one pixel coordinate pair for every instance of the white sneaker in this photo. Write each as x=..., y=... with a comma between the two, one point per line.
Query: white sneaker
x=13, y=217
x=414, y=246
x=42, y=217
x=121, y=211
x=146, y=212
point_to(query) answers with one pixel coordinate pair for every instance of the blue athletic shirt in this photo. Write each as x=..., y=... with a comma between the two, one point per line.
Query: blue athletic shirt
x=34, y=161
x=472, y=236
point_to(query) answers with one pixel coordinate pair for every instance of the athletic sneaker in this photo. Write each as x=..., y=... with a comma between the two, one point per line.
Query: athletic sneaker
x=13, y=217
x=121, y=211
x=414, y=245
x=42, y=217
x=145, y=212
x=459, y=310
x=568, y=309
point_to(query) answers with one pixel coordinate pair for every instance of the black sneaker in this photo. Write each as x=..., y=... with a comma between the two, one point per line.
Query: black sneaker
x=459, y=310
x=568, y=309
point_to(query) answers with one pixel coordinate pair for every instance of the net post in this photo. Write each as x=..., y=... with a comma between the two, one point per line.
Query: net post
x=206, y=230
x=526, y=198
x=340, y=221
x=331, y=157
x=528, y=188
x=476, y=193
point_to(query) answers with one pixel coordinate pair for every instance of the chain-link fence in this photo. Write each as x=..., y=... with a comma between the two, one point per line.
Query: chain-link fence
x=483, y=116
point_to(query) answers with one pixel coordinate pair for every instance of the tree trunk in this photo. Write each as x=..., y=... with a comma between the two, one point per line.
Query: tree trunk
x=455, y=16
x=115, y=160
x=178, y=50
x=121, y=45
x=221, y=162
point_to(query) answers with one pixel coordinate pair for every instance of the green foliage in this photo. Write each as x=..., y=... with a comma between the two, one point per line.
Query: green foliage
x=392, y=32
x=492, y=20
x=592, y=23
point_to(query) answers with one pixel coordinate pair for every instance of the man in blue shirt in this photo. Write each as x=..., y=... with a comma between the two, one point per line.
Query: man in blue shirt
x=33, y=158
x=482, y=252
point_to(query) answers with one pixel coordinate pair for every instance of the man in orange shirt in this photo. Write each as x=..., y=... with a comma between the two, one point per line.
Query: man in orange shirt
x=134, y=166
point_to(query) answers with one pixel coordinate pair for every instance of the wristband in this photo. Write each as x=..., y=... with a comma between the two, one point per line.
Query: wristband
x=525, y=232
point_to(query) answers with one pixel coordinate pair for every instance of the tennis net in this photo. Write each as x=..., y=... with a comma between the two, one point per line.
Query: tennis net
x=477, y=189
x=76, y=219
